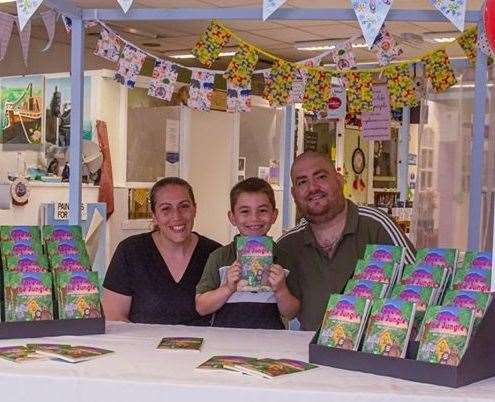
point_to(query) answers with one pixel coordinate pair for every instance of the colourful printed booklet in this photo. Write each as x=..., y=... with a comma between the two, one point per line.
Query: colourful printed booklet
x=21, y=248
x=66, y=247
x=27, y=263
x=255, y=254
x=221, y=363
x=376, y=271
x=61, y=232
x=438, y=257
x=421, y=274
x=389, y=327
x=28, y=296
x=384, y=253
x=181, y=343
x=475, y=301
x=421, y=295
x=366, y=289
x=74, y=354
x=78, y=294
x=70, y=263
x=477, y=259
x=19, y=354
x=475, y=279
x=272, y=368
x=445, y=334
x=344, y=321
x=19, y=233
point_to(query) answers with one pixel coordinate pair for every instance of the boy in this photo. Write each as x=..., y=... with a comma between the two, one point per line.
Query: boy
x=253, y=212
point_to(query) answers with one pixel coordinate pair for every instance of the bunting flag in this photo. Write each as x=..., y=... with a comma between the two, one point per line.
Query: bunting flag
x=468, y=43
x=401, y=87
x=49, y=18
x=385, y=47
x=317, y=91
x=453, y=10
x=270, y=6
x=439, y=71
x=300, y=79
x=130, y=64
x=108, y=46
x=24, y=37
x=210, y=43
x=163, y=80
x=371, y=15
x=278, y=86
x=25, y=10
x=359, y=91
x=6, y=25
x=343, y=56
x=336, y=106
x=125, y=4
x=238, y=98
x=200, y=90
x=242, y=66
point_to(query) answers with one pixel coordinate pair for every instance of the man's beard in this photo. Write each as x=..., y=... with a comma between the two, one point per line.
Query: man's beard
x=328, y=214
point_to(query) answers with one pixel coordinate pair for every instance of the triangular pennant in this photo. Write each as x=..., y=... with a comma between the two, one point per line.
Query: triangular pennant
x=385, y=47
x=200, y=90
x=49, y=18
x=25, y=9
x=401, y=86
x=210, y=44
x=453, y=10
x=317, y=92
x=439, y=71
x=300, y=79
x=24, y=37
x=343, y=56
x=241, y=67
x=130, y=64
x=6, y=25
x=164, y=78
x=371, y=15
x=125, y=4
x=359, y=91
x=270, y=6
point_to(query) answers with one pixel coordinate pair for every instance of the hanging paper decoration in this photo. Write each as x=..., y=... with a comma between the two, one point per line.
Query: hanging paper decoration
x=238, y=98
x=278, y=86
x=25, y=9
x=49, y=18
x=343, y=56
x=67, y=23
x=385, y=47
x=200, y=90
x=336, y=106
x=317, y=92
x=300, y=79
x=439, y=71
x=469, y=43
x=270, y=6
x=401, y=87
x=24, y=37
x=125, y=4
x=108, y=46
x=164, y=78
x=453, y=10
x=130, y=64
x=211, y=43
x=241, y=66
x=359, y=91
x=6, y=25
x=371, y=14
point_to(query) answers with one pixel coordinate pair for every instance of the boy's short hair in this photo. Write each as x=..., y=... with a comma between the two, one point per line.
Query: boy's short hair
x=251, y=185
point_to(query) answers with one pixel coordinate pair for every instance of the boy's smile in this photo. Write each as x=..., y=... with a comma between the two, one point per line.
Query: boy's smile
x=253, y=214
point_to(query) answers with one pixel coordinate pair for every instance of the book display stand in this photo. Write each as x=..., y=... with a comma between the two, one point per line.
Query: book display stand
x=478, y=362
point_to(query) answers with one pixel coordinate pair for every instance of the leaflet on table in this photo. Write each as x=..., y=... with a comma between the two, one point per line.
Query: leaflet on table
x=181, y=343
x=255, y=255
x=344, y=321
x=272, y=368
x=221, y=363
x=73, y=354
x=19, y=354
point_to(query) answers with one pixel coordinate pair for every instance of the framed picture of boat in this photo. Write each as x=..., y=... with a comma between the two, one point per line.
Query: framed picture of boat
x=21, y=109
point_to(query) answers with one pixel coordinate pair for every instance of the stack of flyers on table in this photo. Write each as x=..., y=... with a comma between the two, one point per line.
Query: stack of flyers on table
x=445, y=334
x=386, y=253
x=255, y=255
x=181, y=343
x=426, y=275
x=389, y=327
x=376, y=271
x=344, y=321
x=421, y=295
x=69, y=353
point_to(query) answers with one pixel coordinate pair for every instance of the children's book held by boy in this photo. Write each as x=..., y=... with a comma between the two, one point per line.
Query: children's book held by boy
x=389, y=327
x=445, y=334
x=255, y=255
x=181, y=343
x=344, y=321
x=74, y=354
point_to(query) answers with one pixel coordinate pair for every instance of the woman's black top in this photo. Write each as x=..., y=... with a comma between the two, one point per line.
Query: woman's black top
x=138, y=270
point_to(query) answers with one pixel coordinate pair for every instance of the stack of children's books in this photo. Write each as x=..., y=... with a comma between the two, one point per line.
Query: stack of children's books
x=45, y=272
x=265, y=368
x=386, y=304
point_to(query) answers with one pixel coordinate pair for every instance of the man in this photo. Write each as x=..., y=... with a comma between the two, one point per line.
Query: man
x=333, y=237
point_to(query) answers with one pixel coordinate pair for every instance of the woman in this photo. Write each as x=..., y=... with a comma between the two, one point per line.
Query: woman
x=152, y=276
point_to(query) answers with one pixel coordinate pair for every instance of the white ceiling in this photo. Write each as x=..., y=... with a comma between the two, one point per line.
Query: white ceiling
x=276, y=36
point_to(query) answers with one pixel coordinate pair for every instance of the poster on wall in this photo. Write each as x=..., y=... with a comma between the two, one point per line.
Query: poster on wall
x=21, y=109
x=58, y=107
x=376, y=124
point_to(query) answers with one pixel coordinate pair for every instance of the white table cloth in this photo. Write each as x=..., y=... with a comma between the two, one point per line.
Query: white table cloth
x=138, y=372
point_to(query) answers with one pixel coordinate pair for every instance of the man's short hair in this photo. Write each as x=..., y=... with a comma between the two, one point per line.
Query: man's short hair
x=251, y=185
x=309, y=155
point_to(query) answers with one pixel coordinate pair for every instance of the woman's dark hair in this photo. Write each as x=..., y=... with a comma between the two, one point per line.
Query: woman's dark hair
x=170, y=181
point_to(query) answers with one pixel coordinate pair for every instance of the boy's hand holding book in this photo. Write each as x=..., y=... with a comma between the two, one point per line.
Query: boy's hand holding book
x=233, y=277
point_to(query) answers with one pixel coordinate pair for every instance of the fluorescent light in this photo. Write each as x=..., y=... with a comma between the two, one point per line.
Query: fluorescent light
x=7, y=1
x=315, y=48
x=326, y=44
x=191, y=56
x=440, y=37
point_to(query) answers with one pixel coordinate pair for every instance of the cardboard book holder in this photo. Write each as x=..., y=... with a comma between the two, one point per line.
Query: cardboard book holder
x=478, y=362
